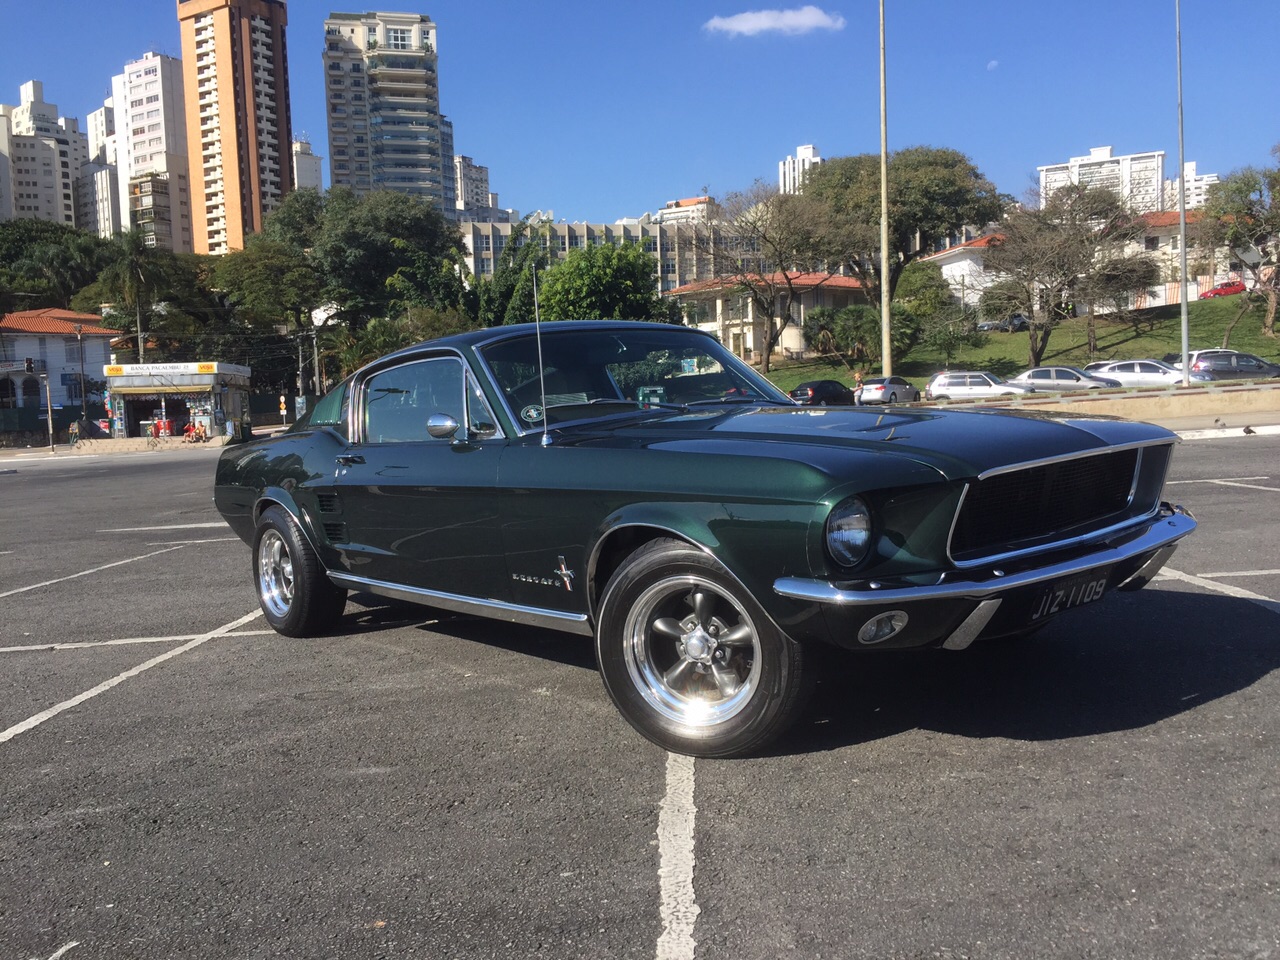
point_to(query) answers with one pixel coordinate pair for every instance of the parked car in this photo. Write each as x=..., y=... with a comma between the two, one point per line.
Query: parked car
x=1224, y=290
x=1007, y=325
x=821, y=393
x=640, y=485
x=888, y=390
x=1141, y=373
x=971, y=385
x=1236, y=366
x=1193, y=356
x=1058, y=379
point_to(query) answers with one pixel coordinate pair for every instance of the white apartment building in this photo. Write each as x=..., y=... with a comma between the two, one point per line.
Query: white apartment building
x=793, y=170
x=150, y=144
x=679, y=259
x=386, y=131
x=1197, y=187
x=1137, y=178
x=307, y=171
x=41, y=155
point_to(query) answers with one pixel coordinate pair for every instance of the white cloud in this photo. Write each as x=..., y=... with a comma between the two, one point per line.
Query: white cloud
x=992, y=64
x=793, y=22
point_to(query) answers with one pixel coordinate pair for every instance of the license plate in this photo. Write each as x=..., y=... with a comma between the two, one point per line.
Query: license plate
x=1075, y=592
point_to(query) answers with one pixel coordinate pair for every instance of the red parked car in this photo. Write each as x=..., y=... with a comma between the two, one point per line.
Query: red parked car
x=1224, y=290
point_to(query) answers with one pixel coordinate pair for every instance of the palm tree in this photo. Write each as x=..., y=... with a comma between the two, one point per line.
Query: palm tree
x=133, y=274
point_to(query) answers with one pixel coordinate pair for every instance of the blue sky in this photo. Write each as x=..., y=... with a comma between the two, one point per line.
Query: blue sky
x=601, y=109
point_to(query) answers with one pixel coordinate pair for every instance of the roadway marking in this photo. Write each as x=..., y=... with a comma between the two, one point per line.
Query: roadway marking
x=89, y=644
x=157, y=543
x=1241, y=573
x=1232, y=482
x=32, y=722
x=679, y=908
x=85, y=573
x=1265, y=602
x=1219, y=480
x=172, y=526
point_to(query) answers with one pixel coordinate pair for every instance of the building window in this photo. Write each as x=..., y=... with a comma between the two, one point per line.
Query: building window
x=398, y=38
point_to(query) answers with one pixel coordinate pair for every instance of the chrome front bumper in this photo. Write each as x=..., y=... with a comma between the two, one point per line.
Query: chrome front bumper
x=1172, y=524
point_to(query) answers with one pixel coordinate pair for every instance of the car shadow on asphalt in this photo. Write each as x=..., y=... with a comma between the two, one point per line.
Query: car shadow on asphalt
x=1136, y=660
x=370, y=613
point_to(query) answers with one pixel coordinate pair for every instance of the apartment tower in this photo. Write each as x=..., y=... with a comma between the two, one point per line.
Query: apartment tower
x=382, y=88
x=236, y=87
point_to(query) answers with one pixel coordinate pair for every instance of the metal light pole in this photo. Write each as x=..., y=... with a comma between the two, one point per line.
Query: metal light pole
x=886, y=354
x=84, y=408
x=1182, y=205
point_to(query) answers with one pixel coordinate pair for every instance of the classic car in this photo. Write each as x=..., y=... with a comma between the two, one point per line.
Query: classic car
x=640, y=485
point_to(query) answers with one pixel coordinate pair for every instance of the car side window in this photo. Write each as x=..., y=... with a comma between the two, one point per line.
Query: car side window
x=1041, y=375
x=398, y=402
x=331, y=411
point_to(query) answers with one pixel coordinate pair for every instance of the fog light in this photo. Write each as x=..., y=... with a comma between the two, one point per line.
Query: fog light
x=882, y=627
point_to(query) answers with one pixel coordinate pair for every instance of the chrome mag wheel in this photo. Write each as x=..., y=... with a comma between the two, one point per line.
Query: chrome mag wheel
x=275, y=574
x=692, y=651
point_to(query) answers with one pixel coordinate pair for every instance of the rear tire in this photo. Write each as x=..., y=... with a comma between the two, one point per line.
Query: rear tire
x=297, y=599
x=691, y=660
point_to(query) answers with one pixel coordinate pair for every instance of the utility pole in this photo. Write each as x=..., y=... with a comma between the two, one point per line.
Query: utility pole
x=315, y=352
x=48, y=401
x=886, y=354
x=84, y=408
x=1182, y=205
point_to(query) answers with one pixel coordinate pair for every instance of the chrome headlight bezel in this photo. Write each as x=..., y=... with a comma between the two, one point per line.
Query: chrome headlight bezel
x=848, y=532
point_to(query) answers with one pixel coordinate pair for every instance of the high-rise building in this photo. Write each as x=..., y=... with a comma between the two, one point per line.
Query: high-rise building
x=1197, y=187
x=793, y=170
x=386, y=131
x=41, y=155
x=151, y=151
x=236, y=85
x=306, y=167
x=1136, y=178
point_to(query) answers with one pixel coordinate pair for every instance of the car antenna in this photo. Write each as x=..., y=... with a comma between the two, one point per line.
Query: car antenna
x=537, y=335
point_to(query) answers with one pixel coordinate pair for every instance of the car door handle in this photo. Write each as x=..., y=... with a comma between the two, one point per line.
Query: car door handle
x=348, y=459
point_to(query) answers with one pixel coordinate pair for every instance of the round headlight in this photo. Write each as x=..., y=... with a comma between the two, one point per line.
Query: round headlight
x=849, y=532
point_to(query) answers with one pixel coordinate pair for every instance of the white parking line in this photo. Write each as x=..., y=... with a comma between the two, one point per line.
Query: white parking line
x=1262, y=601
x=35, y=721
x=679, y=908
x=1241, y=573
x=89, y=644
x=1170, y=483
x=85, y=573
x=172, y=526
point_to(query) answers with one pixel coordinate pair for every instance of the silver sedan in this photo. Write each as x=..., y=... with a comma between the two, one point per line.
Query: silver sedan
x=1141, y=373
x=1062, y=378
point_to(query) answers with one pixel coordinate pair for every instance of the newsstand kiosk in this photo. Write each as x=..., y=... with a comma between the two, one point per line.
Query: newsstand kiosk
x=160, y=399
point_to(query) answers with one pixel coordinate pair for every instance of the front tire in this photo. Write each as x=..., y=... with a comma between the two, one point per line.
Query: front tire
x=297, y=599
x=691, y=660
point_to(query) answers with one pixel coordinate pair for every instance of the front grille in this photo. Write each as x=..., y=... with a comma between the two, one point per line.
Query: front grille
x=1024, y=508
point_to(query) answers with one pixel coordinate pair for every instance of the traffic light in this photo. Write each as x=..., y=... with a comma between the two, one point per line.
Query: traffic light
x=31, y=365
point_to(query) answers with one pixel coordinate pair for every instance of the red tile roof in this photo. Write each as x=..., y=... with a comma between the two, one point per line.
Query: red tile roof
x=1168, y=218
x=804, y=281
x=56, y=322
x=976, y=243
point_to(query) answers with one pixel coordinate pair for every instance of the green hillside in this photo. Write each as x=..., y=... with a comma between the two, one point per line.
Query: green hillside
x=1149, y=333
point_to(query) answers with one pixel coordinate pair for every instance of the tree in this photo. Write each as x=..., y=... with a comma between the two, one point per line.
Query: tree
x=132, y=275
x=1242, y=213
x=44, y=264
x=364, y=241
x=1052, y=258
x=933, y=192
x=604, y=282
x=507, y=296
x=764, y=244
x=272, y=282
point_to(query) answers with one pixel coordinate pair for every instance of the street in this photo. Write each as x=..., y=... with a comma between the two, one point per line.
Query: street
x=179, y=781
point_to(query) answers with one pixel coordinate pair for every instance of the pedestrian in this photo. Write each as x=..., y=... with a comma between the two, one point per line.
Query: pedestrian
x=857, y=387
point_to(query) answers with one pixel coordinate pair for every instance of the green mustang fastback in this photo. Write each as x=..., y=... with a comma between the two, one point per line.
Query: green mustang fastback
x=638, y=484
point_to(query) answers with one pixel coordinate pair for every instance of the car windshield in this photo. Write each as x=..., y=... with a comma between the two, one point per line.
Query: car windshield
x=593, y=373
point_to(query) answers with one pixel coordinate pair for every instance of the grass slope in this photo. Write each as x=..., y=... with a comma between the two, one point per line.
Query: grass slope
x=1148, y=333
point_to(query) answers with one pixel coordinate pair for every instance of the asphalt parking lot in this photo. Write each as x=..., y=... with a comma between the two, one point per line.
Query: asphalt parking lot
x=181, y=782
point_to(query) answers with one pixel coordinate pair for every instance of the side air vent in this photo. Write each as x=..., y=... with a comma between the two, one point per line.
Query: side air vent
x=335, y=532
x=328, y=503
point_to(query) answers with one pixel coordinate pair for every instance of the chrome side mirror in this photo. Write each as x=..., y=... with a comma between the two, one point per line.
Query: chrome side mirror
x=442, y=426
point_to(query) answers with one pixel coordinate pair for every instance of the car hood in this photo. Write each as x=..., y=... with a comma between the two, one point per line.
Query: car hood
x=956, y=443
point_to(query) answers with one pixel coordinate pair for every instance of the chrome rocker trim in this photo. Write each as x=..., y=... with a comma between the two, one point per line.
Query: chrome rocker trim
x=494, y=609
x=1173, y=525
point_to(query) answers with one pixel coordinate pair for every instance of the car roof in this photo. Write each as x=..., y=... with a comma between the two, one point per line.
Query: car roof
x=487, y=335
